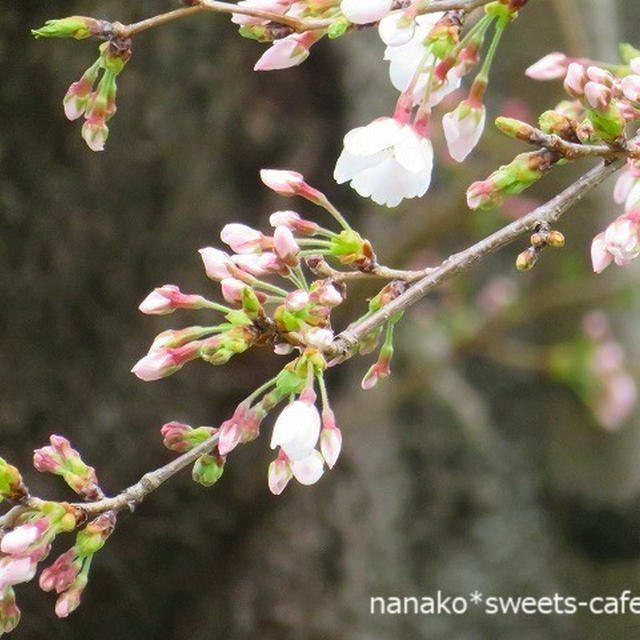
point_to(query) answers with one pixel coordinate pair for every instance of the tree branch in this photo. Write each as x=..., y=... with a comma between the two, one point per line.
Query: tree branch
x=345, y=343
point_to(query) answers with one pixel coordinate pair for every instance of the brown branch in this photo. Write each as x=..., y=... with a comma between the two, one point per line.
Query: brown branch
x=298, y=25
x=345, y=343
x=322, y=268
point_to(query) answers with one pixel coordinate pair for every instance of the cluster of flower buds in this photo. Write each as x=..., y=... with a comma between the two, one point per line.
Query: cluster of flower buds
x=61, y=459
x=593, y=366
x=28, y=536
x=543, y=237
x=392, y=157
x=293, y=316
x=93, y=95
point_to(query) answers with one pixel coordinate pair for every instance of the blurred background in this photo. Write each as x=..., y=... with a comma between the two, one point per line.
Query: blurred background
x=492, y=459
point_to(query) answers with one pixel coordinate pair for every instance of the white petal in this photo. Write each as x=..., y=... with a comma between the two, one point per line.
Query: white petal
x=310, y=469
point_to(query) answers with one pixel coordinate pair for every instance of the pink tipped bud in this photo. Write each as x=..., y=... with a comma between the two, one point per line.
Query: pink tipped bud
x=9, y=612
x=296, y=300
x=551, y=67
x=17, y=541
x=575, y=80
x=61, y=574
x=287, y=52
x=285, y=246
x=463, y=128
x=174, y=436
x=290, y=183
x=259, y=264
x=330, y=438
x=597, y=95
x=327, y=295
x=216, y=263
x=317, y=337
x=602, y=76
x=279, y=474
x=168, y=298
x=232, y=289
x=164, y=362
x=293, y=221
x=15, y=571
x=95, y=132
x=241, y=238
x=631, y=87
x=69, y=601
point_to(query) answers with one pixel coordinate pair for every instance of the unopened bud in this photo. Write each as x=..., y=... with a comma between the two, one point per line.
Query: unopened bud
x=527, y=259
x=555, y=239
x=77, y=27
x=208, y=469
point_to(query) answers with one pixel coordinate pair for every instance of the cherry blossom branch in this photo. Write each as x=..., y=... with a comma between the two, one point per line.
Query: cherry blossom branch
x=569, y=150
x=125, y=31
x=129, y=497
x=322, y=268
x=343, y=346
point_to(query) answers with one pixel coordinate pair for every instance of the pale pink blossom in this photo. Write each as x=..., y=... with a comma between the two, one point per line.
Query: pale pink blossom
x=259, y=264
x=386, y=161
x=15, y=571
x=317, y=337
x=283, y=181
x=296, y=300
x=550, y=67
x=575, y=80
x=365, y=11
x=279, y=474
x=161, y=363
x=285, y=246
x=287, y=52
x=309, y=469
x=17, y=541
x=216, y=263
x=463, y=128
x=242, y=238
x=396, y=28
x=232, y=289
x=296, y=430
x=292, y=221
x=330, y=438
x=631, y=87
x=597, y=95
x=620, y=242
x=168, y=298
x=625, y=182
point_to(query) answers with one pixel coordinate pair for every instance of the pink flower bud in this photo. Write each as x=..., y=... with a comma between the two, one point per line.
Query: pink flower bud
x=279, y=474
x=95, y=132
x=365, y=11
x=550, y=67
x=600, y=257
x=274, y=6
x=309, y=469
x=575, y=80
x=232, y=289
x=216, y=263
x=292, y=221
x=15, y=571
x=597, y=95
x=330, y=438
x=631, y=87
x=287, y=52
x=164, y=362
x=602, y=76
x=241, y=238
x=285, y=246
x=296, y=300
x=296, y=430
x=317, y=337
x=327, y=295
x=284, y=182
x=243, y=426
x=259, y=264
x=61, y=574
x=463, y=128
x=174, y=434
x=69, y=601
x=17, y=541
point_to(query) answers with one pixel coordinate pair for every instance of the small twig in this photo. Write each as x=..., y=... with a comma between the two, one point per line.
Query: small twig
x=344, y=344
x=322, y=268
